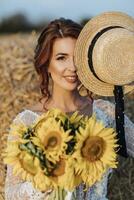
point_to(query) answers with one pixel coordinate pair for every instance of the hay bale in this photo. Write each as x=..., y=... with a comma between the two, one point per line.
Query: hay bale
x=19, y=85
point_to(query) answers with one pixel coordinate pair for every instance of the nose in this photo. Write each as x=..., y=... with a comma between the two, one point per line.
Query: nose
x=72, y=66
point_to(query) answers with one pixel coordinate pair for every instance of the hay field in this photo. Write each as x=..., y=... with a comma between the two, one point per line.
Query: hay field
x=19, y=89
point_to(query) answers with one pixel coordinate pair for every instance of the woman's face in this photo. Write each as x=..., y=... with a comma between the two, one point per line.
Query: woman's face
x=61, y=66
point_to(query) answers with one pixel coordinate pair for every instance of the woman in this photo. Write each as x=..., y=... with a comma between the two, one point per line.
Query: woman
x=54, y=62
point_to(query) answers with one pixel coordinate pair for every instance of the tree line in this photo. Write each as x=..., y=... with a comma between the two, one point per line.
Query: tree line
x=19, y=23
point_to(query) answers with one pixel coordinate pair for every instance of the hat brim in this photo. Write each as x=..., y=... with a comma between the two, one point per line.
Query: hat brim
x=84, y=40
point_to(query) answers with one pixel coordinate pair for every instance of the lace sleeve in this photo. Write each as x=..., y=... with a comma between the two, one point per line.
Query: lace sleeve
x=96, y=192
x=15, y=188
x=108, y=109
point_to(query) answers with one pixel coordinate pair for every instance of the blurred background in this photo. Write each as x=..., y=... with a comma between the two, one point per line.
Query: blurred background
x=20, y=23
x=26, y=15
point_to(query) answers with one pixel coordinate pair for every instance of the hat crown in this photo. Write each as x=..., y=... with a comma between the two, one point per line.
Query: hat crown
x=113, y=56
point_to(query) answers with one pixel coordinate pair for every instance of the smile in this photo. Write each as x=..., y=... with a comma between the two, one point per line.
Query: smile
x=71, y=79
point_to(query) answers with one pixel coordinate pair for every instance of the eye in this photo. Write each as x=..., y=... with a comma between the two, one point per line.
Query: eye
x=61, y=58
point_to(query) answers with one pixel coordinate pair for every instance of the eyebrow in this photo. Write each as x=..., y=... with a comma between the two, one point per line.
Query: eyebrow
x=61, y=54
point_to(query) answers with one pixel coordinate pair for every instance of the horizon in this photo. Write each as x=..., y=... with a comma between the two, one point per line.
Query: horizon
x=38, y=10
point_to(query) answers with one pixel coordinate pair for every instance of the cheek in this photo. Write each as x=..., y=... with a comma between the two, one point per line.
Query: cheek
x=56, y=69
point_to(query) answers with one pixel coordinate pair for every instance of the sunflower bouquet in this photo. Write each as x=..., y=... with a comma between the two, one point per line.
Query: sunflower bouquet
x=59, y=152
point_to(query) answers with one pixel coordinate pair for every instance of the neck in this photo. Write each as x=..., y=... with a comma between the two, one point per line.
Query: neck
x=65, y=100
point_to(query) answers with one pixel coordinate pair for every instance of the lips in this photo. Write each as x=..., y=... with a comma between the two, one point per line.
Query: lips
x=71, y=79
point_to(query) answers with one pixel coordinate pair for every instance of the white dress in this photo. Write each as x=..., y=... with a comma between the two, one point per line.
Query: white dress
x=17, y=189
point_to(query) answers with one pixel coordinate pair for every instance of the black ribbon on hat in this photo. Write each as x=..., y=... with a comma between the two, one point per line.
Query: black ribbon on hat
x=118, y=94
x=119, y=114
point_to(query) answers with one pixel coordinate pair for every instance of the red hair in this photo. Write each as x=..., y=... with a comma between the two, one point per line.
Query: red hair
x=58, y=28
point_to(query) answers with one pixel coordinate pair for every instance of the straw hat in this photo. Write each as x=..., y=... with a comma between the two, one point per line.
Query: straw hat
x=104, y=53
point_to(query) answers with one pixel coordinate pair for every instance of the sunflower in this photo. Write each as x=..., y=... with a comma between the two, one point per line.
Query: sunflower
x=69, y=180
x=18, y=130
x=61, y=172
x=24, y=164
x=51, y=137
x=94, y=151
x=60, y=168
x=75, y=117
x=78, y=120
x=53, y=113
x=43, y=182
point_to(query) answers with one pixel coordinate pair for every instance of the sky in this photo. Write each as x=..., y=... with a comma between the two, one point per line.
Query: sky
x=37, y=10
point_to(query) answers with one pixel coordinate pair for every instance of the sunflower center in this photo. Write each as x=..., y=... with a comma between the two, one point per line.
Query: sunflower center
x=93, y=148
x=52, y=140
x=60, y=168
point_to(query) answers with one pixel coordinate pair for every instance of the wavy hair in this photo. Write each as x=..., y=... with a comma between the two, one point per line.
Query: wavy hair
x=58, y=28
